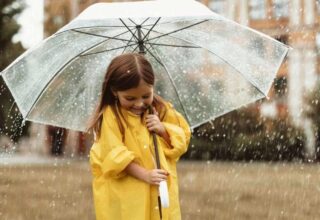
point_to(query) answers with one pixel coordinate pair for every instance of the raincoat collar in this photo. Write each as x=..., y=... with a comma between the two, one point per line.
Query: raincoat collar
x=132, y=119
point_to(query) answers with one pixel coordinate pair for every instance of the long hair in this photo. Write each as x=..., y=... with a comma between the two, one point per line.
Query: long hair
x=124, y=72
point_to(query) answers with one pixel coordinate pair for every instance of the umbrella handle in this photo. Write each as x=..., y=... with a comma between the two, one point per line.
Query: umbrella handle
x=155, y=143
x=163, y=187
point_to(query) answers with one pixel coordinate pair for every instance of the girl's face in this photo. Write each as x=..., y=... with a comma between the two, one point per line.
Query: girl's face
x=136, y=100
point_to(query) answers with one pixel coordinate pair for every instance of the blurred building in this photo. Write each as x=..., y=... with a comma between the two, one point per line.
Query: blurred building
x=293, y=22
x=59, y=13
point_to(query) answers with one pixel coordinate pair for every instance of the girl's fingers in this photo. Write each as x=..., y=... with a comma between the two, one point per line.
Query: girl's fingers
x=158, y=180
x=162, y=176
x=160, y=171
x=152, y=126
x=158, y=176
x=163, y=173
x=155, y=111
x=151, y=118
x=150, y=123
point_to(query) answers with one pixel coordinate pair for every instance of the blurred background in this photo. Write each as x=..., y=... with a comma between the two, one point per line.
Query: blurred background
x=283, y=127
x=259, y=162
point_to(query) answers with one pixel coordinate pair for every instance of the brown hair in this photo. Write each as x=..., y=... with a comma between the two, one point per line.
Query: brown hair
x=124, y=72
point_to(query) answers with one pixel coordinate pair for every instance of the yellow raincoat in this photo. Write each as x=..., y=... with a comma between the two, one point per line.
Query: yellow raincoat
x=118, y=196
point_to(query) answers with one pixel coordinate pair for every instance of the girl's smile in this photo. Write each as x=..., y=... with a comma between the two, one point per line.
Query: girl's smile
x=136, y=100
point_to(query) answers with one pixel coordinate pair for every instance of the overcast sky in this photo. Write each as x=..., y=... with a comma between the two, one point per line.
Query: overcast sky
x=31, y=21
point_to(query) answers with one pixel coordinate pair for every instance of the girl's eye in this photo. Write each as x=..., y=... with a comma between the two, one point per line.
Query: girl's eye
x=145, y=97
x=129, y=99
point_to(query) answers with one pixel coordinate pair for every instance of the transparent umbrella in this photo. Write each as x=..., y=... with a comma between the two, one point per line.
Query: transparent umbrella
x=206, y=65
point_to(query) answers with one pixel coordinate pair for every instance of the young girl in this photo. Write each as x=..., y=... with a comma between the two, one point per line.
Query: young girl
x=125, y=178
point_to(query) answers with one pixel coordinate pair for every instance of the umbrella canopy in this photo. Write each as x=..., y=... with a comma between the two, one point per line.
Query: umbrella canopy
x=206, y=65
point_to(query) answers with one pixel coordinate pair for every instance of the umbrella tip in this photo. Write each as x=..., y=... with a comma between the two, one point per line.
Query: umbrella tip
x=289, y=47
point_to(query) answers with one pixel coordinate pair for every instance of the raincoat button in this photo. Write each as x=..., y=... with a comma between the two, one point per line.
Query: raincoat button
x=145, y=146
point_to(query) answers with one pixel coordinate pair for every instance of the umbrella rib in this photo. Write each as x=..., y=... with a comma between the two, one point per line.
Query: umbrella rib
x=79, y=28
x=128, y=43
x=253, y=83
x=222, y=113
x=137, y=24
x=9, y=112
x=111, y=26
x=200, y=22
x=178, y=95
x=151, y=29
x=129, y=29
x=170, y=45
x=132, y=21
x=135, y=48
x=82, y=53
x=144, y=21
x=79, y=55
x=166, y=22
x=103, y=51
x=156, y=58
x=172, y=82
x=98, y=35
x=39, y=96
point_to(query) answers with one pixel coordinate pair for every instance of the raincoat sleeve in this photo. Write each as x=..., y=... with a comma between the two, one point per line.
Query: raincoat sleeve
x=179, y=133
x=108, y=155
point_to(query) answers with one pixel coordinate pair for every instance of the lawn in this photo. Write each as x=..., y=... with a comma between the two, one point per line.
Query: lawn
x=208, y=190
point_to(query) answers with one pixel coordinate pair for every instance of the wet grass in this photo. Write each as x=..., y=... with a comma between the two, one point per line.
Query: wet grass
x=213, y=190
x=250, y=191
x=50, y=191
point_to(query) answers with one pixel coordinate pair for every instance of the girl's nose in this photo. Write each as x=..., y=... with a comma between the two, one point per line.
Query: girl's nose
x=139, y=104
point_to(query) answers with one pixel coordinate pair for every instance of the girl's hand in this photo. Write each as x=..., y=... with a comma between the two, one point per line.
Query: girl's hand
x=154, y=124
x=155, y=176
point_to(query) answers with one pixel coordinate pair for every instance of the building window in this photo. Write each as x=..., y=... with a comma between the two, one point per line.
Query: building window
x=318, y=6
x=280, y=8
x=59, y=21
x=257, y=9
x=318, y=43
x=218, y=6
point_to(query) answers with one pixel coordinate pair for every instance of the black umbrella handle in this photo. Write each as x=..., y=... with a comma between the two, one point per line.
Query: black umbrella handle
x=155, y=142
x=156, y=152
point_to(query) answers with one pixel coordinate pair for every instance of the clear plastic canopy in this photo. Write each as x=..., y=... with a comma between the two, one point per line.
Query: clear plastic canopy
x=205, y=64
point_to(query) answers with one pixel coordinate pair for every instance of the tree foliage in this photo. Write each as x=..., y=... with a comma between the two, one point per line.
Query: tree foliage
x=9, y=11
x=245, y=135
